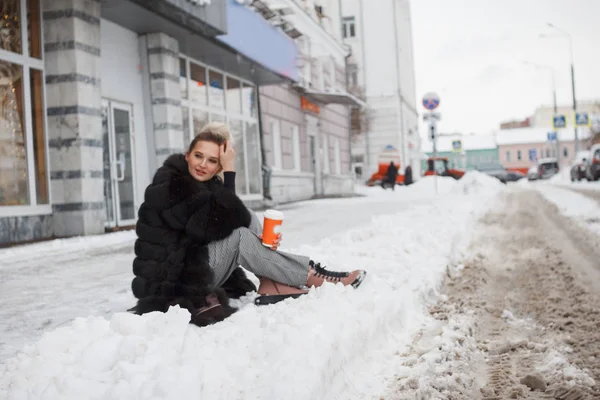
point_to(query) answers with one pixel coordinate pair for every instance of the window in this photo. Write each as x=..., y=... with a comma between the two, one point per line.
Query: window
x=23, y=155
x=325, y=151
x=198, y=92
x=296, y=147
x=338, y=157
x=213, y=95
x=321, y=73
x=519, y=155
x=565, y=152
x=331, y=77
x=352, y=75
x=216, y=96
x=348, y=27
x=183, y=78
x=276, y=133
x=508, y=155
x=234, y=96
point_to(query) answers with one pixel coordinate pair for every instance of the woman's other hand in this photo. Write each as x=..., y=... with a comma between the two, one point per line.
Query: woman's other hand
x=227, y=157
x=276, y=242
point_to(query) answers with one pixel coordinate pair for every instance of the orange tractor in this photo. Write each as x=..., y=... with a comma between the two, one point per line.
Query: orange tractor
x=439, y=166
x=389, y=154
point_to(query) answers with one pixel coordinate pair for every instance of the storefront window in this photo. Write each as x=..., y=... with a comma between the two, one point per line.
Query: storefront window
x=10, y=34
x=198, y=84
x=220, y=97
x=33, y=28
x=237, y=136
x=249, y=100
x=13, y=161
x=183, y=81
x=39, y=138
x=200, y=119
x=216, y=94
x=234, y=96
x=217, y=118
x=23, y=157
x=253, y=150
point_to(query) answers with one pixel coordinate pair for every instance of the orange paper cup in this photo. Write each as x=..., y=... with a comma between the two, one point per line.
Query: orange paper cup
x=271, y=227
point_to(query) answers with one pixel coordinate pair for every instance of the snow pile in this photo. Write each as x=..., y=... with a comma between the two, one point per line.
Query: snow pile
x=583, y=210
x=444, y=362
x=556, y=367
x=427, y=184
x=318, y=346
x=474, y=182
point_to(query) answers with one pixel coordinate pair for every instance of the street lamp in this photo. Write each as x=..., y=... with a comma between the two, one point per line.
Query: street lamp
x=547, y=67
x=565, y=34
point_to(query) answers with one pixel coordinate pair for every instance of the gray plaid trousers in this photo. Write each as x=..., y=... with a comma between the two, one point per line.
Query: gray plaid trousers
x=244, y=248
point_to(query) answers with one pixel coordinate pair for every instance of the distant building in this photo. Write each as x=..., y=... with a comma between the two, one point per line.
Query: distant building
x=381, y=70
x=471, y=152
x=515, y=124
x=521, y=148
x=542, y=117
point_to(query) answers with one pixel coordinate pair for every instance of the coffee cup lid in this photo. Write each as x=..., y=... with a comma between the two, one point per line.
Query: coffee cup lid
x=274, y=214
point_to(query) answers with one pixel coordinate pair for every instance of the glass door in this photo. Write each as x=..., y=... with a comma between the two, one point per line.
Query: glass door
x=119, y=192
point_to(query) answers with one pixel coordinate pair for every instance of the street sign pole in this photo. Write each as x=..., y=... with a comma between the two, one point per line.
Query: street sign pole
x=431, y=101
x=434, y=134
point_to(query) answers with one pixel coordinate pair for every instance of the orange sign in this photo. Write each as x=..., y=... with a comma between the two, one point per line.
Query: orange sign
x=308, y=106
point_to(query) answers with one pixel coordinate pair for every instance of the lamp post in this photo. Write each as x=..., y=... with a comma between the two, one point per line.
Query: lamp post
x=565, y=34
x=547, y=67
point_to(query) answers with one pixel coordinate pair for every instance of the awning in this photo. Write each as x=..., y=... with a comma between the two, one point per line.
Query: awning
x=345, y=98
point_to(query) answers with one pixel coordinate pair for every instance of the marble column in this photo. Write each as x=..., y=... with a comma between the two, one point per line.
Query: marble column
x=72, y=66
x=163, y=65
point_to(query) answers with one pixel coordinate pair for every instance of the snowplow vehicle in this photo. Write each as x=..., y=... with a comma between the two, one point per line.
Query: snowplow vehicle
x=439, y=166
x=383, y=162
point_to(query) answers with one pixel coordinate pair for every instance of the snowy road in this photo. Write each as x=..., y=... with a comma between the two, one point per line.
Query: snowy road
x=523, y=313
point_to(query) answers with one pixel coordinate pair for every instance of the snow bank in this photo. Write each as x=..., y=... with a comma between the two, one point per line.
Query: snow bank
x=318, y=346
x=427, y=184
x=474, y=182
x=583, y=210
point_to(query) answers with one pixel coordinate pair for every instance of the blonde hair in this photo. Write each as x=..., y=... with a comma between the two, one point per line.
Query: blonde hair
x=214, y=132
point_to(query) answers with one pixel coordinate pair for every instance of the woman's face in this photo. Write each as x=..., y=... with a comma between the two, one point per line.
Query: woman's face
x=203, y=160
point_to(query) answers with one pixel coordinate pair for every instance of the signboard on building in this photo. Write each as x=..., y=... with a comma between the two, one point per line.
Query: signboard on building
x=559, y=121
x=456, y=146
x=532, y=154
x=552, y=136
x=582, y=119
x=307, y=105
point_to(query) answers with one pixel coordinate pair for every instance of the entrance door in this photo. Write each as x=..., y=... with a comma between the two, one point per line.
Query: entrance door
x=119, y=193
x=312, y=125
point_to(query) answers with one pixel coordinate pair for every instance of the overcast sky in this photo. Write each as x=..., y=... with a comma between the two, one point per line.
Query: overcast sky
x=471, y=53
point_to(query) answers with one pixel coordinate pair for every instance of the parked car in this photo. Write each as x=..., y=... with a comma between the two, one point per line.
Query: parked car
x=513, y=176
x=579, y=165
x=495, y=170
x=592, y=165
x=532, y=173
x=547, y=168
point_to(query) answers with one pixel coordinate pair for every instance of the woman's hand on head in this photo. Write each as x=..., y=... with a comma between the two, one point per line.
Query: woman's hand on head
x=227, y=156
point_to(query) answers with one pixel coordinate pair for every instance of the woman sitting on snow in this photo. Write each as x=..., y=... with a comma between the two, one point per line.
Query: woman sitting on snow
x=194, y=233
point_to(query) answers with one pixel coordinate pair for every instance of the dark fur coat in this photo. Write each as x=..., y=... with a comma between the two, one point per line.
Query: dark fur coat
x=178, y=218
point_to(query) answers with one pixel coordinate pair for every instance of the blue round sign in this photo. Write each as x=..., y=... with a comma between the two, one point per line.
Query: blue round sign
x=431, y=101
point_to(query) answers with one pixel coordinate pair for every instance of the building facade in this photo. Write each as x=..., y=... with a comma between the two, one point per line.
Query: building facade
x=307, y=125
x=95, y=95
x=383, y=72
x=472, y=151
x=520, y=149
